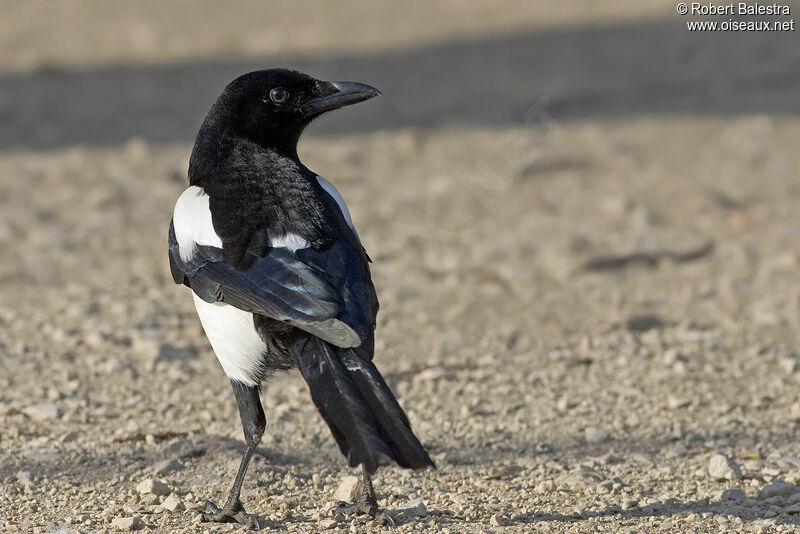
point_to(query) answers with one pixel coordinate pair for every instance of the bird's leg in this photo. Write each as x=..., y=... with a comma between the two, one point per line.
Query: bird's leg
x=368, y=493
x=253, y=424
x=367, y=503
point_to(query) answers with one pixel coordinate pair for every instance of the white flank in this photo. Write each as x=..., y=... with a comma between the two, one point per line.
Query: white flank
x=290, y=241
x=332, y=191
x=192, y=222
x=234, y=339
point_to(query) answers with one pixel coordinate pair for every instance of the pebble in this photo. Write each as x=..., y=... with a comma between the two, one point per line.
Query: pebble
x=123, y=523
x=778, y=488
x=595, y=434
x=733, y=494
x=149, y=499
x=720, y=467
x=69, y=437
x=673, y=402
x=327, y=523
x=24, y=479
x=172, y=503
x=166, y=466
x=548, y=486
x=498, y=520
x=416, y=509
x=41, y=412
x=153, y=486
x=349, y=489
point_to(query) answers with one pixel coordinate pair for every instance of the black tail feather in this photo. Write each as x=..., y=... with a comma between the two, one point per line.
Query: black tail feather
x=368, y=424
x=394, y=425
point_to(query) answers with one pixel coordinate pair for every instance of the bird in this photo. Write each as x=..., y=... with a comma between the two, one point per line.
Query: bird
x=279, y=277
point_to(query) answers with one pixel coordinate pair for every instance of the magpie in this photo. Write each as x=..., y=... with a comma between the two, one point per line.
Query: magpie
x=279, y=277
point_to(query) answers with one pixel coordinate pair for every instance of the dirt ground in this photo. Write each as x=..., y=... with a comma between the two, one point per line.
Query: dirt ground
x=586, y=240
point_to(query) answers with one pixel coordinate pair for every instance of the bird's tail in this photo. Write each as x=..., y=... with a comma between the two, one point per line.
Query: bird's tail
x=367, y=422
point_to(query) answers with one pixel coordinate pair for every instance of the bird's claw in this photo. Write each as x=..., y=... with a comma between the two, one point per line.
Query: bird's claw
x=354, y=508
x=384, y=519
x=363, y=507
x=230, y=514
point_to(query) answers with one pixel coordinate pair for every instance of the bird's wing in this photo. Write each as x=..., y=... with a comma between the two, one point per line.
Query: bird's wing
x=276, y=284
x=345, y=268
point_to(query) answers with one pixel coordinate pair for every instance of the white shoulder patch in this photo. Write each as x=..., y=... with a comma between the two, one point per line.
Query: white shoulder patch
x=332, y=191
x=290, y=241
x=192, y=222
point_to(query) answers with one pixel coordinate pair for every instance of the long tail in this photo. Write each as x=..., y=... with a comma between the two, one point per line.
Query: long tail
x=367, y=422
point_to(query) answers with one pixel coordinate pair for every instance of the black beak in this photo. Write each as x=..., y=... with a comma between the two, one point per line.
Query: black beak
x=342, y=94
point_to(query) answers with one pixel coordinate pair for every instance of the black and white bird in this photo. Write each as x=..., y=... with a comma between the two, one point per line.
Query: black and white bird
x=278, y=274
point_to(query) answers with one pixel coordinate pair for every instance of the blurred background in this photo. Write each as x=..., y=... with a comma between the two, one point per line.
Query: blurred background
x=585, y=227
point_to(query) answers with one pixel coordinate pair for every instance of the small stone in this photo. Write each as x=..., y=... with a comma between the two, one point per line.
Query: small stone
x=416, y=509
x=153, y=486
x=595, y=434
x=166, y=466
x=123, y=523
x=630, y=504
x=24, y=479
x=498, y=520
x=349, y=490
x=41, y=412
x=548, y=486
x=778, y=488
x=69, y=437
x=169, y=353
x=644, y=322
x=132, y=427
x=145, y=347
x=734, y=494
x=172, y=503
x=720, y=467
x=603, y=487
x=674, y=403
x=327, y=523
x=149, y=499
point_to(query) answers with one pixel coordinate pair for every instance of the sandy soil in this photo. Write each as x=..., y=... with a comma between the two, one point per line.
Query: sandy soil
x=584, y=225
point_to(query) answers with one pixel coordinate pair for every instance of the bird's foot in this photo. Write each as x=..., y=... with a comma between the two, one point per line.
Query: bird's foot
x=363, y=507
x=231, y=513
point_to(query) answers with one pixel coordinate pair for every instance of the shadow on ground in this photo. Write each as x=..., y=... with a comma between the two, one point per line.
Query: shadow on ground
x=564, y=74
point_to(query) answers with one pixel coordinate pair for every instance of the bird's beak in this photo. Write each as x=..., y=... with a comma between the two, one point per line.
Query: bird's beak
x=340, y=94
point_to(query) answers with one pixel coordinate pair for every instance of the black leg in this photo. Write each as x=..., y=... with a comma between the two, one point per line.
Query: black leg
x=253, y=424
x=368, y=499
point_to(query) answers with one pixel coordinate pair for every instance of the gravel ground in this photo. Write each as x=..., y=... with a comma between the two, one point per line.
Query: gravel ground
x=592, y=317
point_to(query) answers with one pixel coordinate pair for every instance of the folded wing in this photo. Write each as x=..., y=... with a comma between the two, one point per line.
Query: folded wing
x=277, y=285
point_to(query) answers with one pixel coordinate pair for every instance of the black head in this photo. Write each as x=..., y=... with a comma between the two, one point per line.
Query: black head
x=272, y=107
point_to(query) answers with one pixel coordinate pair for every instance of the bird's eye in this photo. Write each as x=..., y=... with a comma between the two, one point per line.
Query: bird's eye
x=279, y=95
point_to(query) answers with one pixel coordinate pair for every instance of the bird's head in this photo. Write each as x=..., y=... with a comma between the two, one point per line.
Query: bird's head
x=272, y=107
